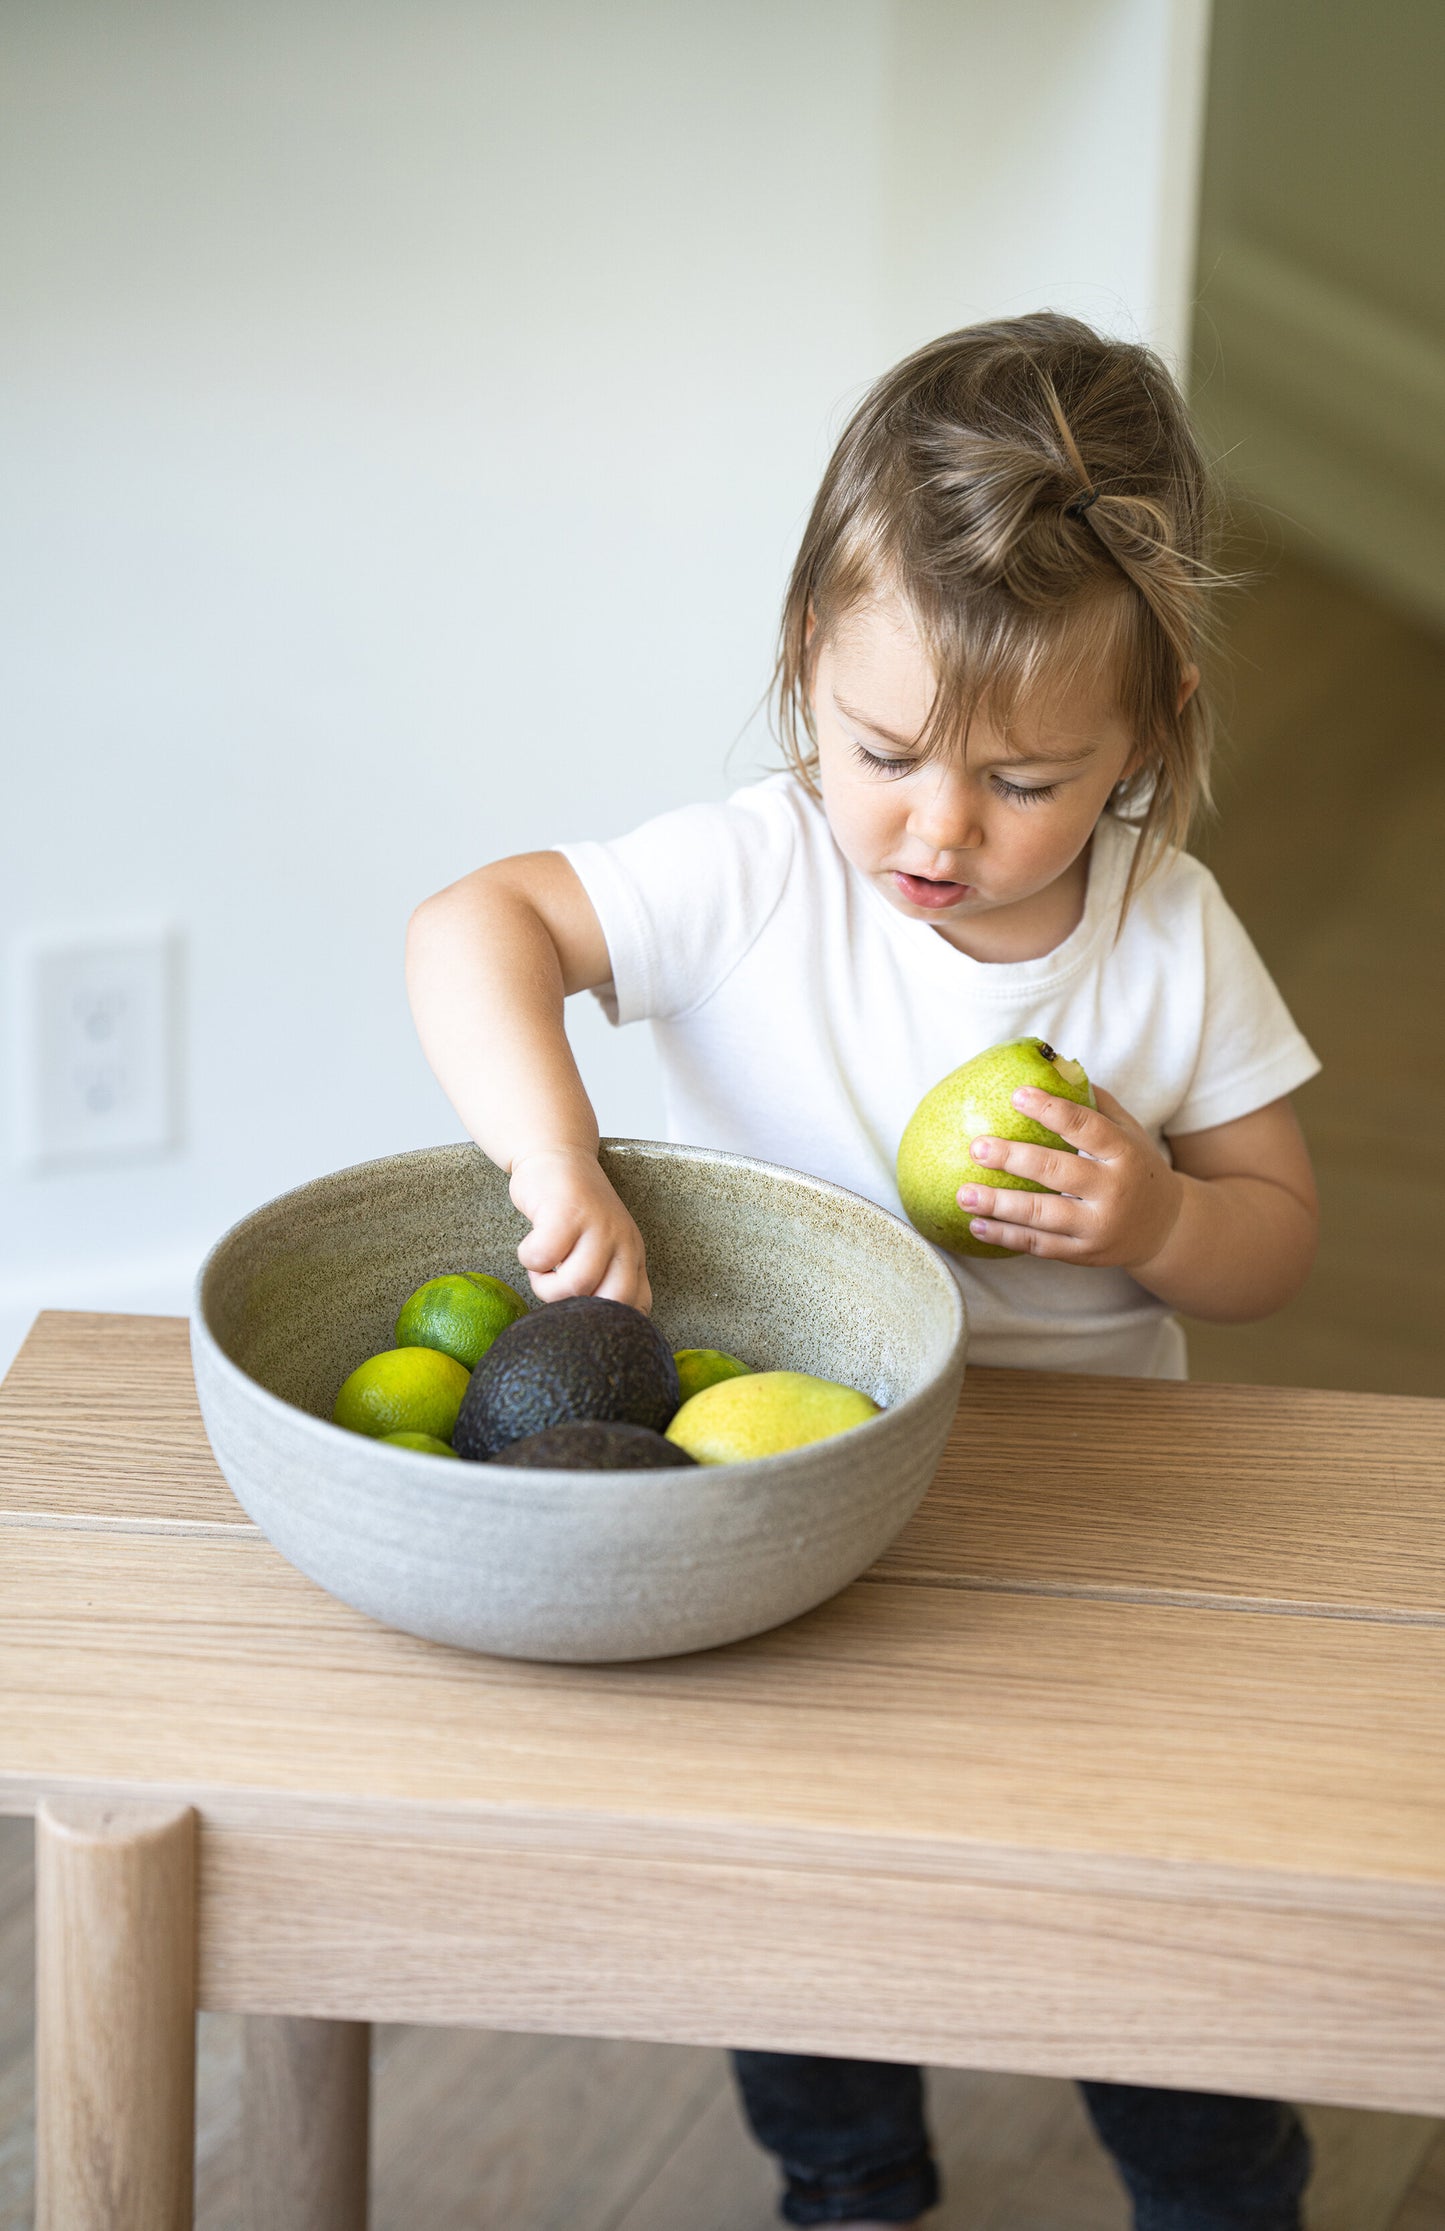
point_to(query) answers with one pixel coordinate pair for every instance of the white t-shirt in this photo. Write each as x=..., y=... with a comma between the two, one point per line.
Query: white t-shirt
x=801, y=1018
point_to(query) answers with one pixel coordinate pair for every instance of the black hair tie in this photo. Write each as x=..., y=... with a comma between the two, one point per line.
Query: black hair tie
x=1080, y=505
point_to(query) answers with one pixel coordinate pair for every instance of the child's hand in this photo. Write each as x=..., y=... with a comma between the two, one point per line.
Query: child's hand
x=1115, y=1202
x=582, y=1239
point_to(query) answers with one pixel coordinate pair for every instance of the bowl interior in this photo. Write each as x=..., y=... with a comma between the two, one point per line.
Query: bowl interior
x=775, y=1267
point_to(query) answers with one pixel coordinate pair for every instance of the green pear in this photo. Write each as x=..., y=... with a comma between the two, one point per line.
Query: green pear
x=976, y=1102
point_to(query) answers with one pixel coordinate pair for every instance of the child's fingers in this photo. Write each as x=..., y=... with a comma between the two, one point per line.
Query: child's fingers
x=560, y=1284
x=1089, y=1129
x=1024, y=1239
x=1046, y=1165
x=549, y=1243
x=1040, y=1212
x=585, y=1268
x=627, y=1280
x=620, y=1279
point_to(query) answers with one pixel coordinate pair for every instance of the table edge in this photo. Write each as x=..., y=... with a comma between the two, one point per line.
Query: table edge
x=712, y=1842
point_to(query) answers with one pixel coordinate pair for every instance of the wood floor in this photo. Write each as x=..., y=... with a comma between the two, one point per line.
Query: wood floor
x=1334, y=815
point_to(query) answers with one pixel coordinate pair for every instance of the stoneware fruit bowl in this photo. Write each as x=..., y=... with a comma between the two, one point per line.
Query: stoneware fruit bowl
x=780, y=1269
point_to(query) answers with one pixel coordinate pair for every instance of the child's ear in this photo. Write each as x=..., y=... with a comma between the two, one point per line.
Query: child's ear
x=1189, y=683
x=809, y=625
x=1142, y=760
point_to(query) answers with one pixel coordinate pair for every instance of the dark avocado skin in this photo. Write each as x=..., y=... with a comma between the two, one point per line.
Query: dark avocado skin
x=586, y=1446
x=574, y=1361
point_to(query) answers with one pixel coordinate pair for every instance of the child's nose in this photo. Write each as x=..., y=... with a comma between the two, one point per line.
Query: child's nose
x=945, y=816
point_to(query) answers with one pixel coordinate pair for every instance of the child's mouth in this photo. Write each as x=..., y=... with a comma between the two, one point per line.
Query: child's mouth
x=919, y=890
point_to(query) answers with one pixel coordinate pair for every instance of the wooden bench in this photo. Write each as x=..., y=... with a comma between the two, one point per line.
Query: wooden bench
x=1127, y=1761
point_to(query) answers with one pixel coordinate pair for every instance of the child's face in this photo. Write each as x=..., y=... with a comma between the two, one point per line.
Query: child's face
x=947, y=840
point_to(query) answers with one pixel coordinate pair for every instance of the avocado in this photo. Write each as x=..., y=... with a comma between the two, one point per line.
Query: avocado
x=586, y=1446
x=579, y=1359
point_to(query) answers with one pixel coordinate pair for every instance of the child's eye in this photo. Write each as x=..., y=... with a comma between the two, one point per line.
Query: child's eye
x=1024, y=797
x=879, y=764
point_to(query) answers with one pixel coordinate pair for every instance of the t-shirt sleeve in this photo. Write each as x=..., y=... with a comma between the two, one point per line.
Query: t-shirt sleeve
x=1251, y=1050
x=683, y=898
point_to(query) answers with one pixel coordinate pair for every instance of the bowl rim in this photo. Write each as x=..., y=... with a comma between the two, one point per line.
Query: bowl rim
x=757, y=1468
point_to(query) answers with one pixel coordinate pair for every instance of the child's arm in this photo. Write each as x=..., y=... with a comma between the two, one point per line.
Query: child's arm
x=1228, y=1232
x=489, y=962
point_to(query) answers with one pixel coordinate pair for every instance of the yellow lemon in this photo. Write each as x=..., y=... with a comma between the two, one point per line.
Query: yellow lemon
x=460, y=1313
x=403, y=1390
x=763, y=1413
x=428, y=1443
x=704, y=1367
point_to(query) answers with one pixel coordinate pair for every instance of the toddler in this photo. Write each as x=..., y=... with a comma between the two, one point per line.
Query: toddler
x=989, y=700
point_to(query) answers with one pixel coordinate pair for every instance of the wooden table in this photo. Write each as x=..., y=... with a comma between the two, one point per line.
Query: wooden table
x=1127, y=1761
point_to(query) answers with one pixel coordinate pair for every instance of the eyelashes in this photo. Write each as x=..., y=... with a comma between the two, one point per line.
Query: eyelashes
x=1015, y=792
x=879, y=765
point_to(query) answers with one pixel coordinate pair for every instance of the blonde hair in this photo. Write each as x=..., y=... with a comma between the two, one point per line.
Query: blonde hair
x=1036, y=496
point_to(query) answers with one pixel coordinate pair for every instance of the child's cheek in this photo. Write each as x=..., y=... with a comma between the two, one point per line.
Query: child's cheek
x=859, y=828
x=838, y=805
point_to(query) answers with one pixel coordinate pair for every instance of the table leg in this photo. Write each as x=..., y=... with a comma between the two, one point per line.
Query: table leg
x=115, y=2029
x=306, y=2119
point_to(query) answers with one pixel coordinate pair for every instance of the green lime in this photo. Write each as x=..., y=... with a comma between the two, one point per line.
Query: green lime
x=706, y=1367
x=426, y=1442
x=403, y=1390
x=460, y=1313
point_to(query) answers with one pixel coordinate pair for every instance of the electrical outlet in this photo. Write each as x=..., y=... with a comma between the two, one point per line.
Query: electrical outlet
x=95, y=1066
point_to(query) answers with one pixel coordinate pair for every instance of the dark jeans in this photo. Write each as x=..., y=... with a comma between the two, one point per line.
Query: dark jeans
x=853, y=2142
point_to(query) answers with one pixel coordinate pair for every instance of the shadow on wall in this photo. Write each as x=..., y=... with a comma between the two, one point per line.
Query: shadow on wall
x=1319, y=375
x=1331, y=787
x=1320, y=327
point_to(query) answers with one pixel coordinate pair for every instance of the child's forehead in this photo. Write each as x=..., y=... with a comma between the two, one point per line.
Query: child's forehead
x=882, y=673
x=877, y=654
x=881, y=627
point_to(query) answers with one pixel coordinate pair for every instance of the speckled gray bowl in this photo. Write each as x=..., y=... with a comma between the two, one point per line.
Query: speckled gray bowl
x=785, y=1271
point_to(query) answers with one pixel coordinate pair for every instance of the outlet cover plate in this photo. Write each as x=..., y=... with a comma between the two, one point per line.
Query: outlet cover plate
x=97, y=1017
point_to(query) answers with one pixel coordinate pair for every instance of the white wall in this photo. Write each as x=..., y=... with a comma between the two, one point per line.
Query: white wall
x=411, y=412
x=1043, y=153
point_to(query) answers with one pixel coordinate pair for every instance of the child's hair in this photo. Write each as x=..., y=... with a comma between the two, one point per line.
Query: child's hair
x=1036, y=497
